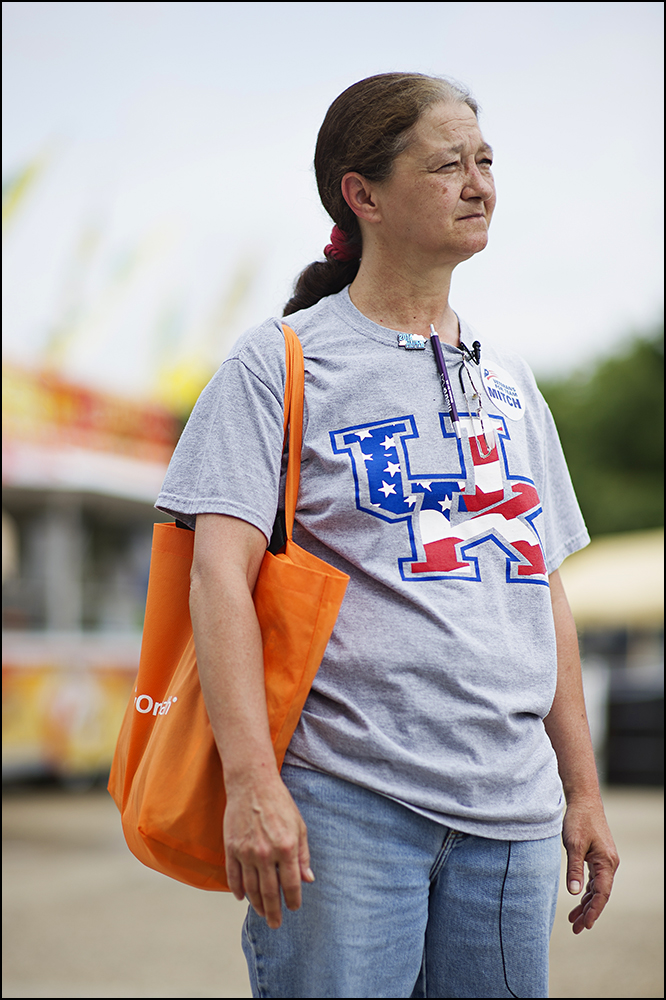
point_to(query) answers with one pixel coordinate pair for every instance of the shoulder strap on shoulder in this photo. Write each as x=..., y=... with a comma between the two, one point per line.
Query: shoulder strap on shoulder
x=293, y=420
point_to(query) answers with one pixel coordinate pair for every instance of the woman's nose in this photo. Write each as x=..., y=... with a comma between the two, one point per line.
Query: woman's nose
x=478, y=184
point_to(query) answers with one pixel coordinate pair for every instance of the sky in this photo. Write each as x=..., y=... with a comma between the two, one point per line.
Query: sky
x=173, y=202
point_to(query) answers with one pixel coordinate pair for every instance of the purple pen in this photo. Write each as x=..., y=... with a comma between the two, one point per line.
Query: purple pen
x=444, y=378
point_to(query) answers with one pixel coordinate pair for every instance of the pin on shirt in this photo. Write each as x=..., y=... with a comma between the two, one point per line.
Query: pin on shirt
x=411, y=341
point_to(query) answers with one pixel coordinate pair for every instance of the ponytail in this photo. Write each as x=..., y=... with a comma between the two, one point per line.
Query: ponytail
x=319, y=279
x=343, y=256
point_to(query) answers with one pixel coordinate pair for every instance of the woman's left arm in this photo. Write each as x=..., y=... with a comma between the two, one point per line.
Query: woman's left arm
x=586, y=835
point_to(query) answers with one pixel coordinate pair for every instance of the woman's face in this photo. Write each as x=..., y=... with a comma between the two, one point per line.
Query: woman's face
x=440, y=196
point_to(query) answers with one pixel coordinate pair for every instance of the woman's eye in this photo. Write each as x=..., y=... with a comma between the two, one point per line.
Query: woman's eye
x=487, y=162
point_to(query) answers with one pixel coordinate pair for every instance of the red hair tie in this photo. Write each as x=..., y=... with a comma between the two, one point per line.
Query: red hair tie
x=339, y=248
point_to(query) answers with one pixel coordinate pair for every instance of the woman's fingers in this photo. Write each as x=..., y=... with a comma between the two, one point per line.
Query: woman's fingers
x=235, y=877
x=265, y=885
x=290, y=880
x=263, y=892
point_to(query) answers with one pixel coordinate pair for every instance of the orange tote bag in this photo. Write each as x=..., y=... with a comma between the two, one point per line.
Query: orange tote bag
x=166, y=777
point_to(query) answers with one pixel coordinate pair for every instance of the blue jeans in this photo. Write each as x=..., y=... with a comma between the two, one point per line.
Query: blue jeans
x=404, y=907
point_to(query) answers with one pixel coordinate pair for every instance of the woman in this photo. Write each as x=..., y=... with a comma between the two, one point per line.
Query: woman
x=421, y=786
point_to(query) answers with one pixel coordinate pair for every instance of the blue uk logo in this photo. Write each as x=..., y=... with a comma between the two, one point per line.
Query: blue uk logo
x=449, y=514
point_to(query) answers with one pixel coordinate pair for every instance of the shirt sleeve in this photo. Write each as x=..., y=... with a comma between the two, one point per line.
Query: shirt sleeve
x=563, y=528
x=228, y=458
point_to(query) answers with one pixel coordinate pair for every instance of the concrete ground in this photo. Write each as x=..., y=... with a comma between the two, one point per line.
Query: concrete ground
x=82, y=917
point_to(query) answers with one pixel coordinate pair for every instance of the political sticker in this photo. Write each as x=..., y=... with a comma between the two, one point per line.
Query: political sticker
x=503, y=392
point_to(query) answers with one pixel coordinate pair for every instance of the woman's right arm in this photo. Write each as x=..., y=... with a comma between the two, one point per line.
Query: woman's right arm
x=264, y=836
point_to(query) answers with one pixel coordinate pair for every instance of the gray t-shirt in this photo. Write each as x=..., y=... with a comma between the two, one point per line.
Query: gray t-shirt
x=442, y=663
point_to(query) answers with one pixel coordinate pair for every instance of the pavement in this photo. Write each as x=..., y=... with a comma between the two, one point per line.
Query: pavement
x=83, y=918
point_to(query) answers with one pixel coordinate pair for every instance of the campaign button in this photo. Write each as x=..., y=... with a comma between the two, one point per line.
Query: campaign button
x=503, y=392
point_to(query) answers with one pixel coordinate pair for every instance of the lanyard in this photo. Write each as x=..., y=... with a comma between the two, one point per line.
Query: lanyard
x=474, y=404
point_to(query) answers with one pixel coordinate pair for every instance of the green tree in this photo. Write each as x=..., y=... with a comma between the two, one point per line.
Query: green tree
x=611, y=423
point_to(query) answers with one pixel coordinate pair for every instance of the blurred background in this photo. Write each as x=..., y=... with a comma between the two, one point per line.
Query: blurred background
x=158, y=199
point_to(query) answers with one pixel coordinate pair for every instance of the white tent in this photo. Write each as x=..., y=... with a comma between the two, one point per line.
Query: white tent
x=618, y=581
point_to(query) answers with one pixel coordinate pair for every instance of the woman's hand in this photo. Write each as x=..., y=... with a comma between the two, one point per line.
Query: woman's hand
x=266, y=846
x=588, y=840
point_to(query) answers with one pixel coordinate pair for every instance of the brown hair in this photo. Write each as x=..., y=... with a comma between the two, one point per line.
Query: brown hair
x=364, y=130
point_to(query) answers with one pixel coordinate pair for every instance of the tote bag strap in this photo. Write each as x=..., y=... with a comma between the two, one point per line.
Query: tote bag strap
x=293, y=420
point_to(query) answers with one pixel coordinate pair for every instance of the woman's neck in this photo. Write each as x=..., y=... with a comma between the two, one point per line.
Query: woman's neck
x=405, y=299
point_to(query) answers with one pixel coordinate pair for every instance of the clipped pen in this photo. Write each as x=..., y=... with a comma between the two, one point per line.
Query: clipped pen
x=444, y=379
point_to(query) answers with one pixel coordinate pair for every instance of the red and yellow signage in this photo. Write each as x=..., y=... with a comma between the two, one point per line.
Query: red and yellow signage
x=42, y=407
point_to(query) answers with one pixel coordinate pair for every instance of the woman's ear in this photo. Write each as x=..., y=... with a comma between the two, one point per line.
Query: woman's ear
x=358, y=193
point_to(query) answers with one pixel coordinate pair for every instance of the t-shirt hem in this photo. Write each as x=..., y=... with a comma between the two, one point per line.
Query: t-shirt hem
x=520, y=830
